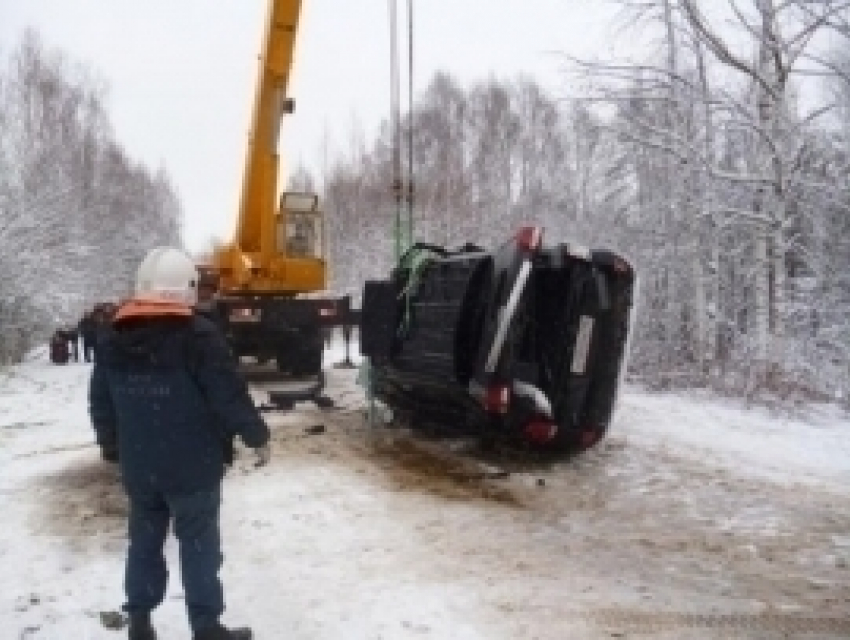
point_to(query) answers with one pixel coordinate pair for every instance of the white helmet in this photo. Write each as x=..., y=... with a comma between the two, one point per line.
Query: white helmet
x=167, y=274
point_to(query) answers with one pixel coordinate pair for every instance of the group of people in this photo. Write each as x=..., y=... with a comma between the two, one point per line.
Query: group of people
x=65, y=342
x=166, y=402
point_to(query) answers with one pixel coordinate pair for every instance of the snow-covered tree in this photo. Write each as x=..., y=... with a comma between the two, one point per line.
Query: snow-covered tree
x=76, y=213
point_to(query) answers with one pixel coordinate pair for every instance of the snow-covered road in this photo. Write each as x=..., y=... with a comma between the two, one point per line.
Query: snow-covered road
x=694, y=519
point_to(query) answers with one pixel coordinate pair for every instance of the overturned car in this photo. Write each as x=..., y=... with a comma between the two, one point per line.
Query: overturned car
x=526, y=344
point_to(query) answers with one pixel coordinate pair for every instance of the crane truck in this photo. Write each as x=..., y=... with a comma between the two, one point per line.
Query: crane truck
x=268, y=277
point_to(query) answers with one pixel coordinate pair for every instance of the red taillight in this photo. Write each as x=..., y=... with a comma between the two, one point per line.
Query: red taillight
x=621, y=266
x=589, y=437
x=540, y=430
x=529, y=238
x=497, y=398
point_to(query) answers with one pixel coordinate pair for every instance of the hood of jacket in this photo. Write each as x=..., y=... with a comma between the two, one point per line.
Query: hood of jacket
x=146, y=338
x=151, y=307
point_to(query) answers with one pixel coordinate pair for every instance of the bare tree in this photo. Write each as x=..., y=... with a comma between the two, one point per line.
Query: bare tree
x=735, y=185
x=76, y=214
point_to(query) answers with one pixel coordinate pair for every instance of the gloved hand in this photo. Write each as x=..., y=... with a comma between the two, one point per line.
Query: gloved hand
x=263, y=454
x=109, y=452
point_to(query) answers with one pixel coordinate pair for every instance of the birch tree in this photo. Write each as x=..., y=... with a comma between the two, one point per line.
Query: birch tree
x=722, y=106
x=76, y=213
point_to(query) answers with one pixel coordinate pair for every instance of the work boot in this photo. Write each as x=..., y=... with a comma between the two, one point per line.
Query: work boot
x=140, y=627
x=218, y=632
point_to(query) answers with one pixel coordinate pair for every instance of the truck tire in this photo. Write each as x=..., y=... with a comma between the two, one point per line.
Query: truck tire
x=310, y=362
x=301, y=358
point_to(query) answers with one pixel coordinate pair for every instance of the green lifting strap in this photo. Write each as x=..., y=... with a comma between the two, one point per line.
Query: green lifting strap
x=415, y=260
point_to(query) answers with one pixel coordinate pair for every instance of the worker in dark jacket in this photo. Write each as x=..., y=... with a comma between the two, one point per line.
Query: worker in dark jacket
x=166, y=401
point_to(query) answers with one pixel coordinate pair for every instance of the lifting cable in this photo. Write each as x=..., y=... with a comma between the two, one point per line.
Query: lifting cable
x=403, y=237
x=365, y=376
x=395, y=118
x=410, y=116
x=409, y=257
x=402, y=189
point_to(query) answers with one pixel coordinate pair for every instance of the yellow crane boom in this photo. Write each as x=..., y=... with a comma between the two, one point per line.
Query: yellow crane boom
x=259, y=184
x=277, y=245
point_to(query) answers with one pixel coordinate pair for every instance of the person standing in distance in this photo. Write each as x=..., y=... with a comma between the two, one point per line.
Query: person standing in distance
x=166, y=401
x=87, y=328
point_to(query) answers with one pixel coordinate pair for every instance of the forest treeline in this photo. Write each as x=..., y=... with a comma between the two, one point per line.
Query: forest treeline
x=718, y=165
x=77, y=212
x=722, y=175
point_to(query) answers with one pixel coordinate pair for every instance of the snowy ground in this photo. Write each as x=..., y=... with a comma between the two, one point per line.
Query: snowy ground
x=694, y=519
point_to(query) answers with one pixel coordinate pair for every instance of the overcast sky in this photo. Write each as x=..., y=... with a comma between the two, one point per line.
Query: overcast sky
x=181, y=73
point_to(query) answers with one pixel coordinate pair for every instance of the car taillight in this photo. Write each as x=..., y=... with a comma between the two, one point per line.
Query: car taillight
x=497, y=398
x=529, y=238
x=540, y=430
x=588, y=437
x=621, y=266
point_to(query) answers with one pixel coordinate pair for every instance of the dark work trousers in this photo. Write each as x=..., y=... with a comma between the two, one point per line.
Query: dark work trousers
x=75, y=350
x=195, y=518
x=88, y=349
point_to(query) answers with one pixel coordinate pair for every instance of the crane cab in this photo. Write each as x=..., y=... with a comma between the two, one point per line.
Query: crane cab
x=300, y=226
